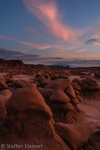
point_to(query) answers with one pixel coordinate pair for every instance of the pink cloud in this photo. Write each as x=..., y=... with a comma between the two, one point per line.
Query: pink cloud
x=6, y=38
x=71, y=47
x=27, y=43
x=97, y=44
x=25, y=52
x=95, y=54
x=34, y=45
x=63, y=53
x=48, y=13
x=75, y=58
x=81, y=51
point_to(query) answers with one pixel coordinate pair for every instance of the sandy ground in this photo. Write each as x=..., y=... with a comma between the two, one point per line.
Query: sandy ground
x=91, y=109
x=24, y=77
x=3, y=74
x=74, y=77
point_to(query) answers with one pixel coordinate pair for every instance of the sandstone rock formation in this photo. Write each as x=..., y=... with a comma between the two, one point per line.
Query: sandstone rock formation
x=3, y=85
x=59, y=84
x=30, y=119
x=76, y=135
x=46, y=93
x=4, y=96
x=88, y=87
x=46, y=112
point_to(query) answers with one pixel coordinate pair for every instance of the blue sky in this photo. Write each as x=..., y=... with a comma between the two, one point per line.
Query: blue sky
x=50, y=31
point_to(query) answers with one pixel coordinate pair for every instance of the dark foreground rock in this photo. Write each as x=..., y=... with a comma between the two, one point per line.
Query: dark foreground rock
x=29, y=120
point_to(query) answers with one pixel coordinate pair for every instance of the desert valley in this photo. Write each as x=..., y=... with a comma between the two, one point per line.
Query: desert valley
x=49, y=107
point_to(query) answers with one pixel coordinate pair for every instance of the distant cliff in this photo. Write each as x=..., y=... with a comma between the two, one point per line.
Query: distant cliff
x=18, y=64
x=11, y=63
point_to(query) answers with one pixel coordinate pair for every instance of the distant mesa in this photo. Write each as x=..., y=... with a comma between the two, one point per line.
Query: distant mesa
x=11, y=63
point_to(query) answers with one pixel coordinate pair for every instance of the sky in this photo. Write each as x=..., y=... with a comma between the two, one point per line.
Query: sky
x=51, y=31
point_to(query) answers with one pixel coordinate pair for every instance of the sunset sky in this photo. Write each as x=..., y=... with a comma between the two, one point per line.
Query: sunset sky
x=51, y=31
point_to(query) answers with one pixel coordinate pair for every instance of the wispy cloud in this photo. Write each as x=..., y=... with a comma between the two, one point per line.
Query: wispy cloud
x=90, y=41
x=25, y=52
x=63, y=53
x=95, y=54
x=26, y=43
x=98, y=44
x=8, y=54
x=48, y=13
x=81, y=51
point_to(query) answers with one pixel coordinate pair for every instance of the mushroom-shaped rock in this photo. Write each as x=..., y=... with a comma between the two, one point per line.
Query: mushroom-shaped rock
x=95, y=87
x=37, y=83
x=76, y=92
x=26, y=81
x=9, y=80
x=29, y=120
x=75, y=101
x=81, y=84
x=4, y=96
x=28, y=98
x=77, y=80
x=46, y=75
x=2, y=78
x=84, y=86
x=63, y=107
x=65, y=72
x=76, y=135
x=54, y=76
x=79, y=98
x=70, y=91
x=63, y=76
x=91, y=81
x=59, y=96
x=6, y=92
x=46, y=83
x=19, y=84
x=3, y=111
x=76, y=86
x=59, y=84
x=41, y=79
x=94, y=93
x=3, y=85
x=45, y=92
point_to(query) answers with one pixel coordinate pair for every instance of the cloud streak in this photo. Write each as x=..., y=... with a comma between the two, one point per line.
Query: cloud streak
x=47, y=12
x=26, y=43
x=95, y=54
x=81, y=51
x=8, y=54
x=63, y=53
